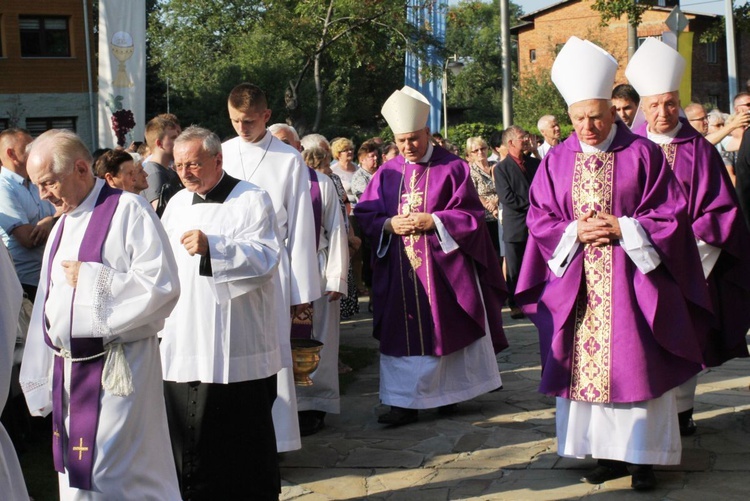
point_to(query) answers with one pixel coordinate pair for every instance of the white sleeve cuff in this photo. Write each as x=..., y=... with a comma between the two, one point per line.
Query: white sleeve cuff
x=565, y=249
x=446, y=240
x=637, y=246
x=709, y=255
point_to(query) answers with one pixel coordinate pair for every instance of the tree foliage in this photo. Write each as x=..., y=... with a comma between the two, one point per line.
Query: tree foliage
x=614, y=9
x=536, y=96
x=718, y=30
x=473, y=34
x=324, y=64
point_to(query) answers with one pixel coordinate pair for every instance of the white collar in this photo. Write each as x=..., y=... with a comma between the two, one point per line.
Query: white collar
x=665, y=138
x=426, y=157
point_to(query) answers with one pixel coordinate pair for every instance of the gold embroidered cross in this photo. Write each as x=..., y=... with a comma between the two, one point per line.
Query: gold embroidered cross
x=80, y=449
x=56, y=435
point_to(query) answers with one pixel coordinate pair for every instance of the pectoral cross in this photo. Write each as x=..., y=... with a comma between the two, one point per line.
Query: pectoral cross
x=80, y=449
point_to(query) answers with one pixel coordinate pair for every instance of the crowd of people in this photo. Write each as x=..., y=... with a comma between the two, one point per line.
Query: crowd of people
x=163, y=285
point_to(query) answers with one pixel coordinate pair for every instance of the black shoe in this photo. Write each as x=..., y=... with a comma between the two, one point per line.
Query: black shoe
x=643, y=478
x=448, y=410
x=516, y=313
x=608, y=470
x=398, y=416
x=687, y=425
x=311, y=422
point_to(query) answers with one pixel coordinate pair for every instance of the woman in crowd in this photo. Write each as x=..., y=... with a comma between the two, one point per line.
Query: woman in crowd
x=119, y=170
x=481, y=175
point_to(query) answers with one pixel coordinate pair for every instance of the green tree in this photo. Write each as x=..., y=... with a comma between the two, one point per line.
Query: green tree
x=473, y=34
x=614, y=9
x=536, y=96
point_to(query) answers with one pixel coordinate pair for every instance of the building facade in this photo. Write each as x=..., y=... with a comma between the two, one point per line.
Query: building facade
x=44, y=68
x=542, y=33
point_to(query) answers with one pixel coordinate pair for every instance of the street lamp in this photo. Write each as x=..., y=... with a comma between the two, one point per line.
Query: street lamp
x=451, y=63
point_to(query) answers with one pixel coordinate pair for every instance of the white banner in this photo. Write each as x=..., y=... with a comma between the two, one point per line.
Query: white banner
x=122, y=72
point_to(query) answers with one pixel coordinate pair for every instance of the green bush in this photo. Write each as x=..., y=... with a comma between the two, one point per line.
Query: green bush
x=458, y=134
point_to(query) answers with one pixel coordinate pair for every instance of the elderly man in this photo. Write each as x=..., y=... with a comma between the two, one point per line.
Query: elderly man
x=513, y=176
x=286, y=134
x=611, y=278
x=655, y=71
x=25, y=220
x=625, y=99
x=255, y=155
x=437, y=286
x=550, y=130
x=92, y=356
x=220, y=349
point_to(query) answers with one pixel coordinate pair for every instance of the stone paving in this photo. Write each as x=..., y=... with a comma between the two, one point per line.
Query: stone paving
x=501, y=446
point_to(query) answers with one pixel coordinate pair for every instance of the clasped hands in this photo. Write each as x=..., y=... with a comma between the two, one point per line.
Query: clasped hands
x=409, y=224
x=598, y=229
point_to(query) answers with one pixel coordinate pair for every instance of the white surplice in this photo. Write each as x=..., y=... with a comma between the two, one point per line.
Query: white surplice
x=333, y=260
x=222, y=329
x=278, y=169
x=125, y=300
x=12, y=485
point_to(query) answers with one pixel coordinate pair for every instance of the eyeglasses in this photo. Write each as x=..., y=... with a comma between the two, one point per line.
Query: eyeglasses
x=704, y=118
x=478, y=150
x=191, y=166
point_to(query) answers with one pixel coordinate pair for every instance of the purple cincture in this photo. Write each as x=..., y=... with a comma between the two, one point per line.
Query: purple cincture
x=85, y=384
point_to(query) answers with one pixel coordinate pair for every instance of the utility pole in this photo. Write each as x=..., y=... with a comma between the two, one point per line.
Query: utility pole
x=507, y=63
x=731, y=53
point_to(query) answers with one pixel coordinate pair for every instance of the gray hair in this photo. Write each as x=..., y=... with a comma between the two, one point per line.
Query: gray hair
x=715, y=116
x=209, y=141
x=313, y=140
x=512, y=132
x=65, y=148
x=544, y=121
x=273, y=129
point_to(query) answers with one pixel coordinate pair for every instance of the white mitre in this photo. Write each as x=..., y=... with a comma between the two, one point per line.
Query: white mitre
x=406, y=111
x=656, y=68
x=583, y=70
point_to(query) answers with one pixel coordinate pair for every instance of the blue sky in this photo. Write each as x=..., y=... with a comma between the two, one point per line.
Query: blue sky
x=706, y=6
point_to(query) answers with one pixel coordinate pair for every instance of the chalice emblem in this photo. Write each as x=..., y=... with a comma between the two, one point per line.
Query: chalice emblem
x=122, y=48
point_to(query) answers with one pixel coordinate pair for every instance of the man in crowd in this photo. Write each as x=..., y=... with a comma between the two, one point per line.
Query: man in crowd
x=437, y=286
x=550, y=130
x=220, y=351
x=699, y=119
x=612, y=279
x=255, y=155
x=742, y=166
x=25, y=220
x=656, y=71
x=286, y=134
x=625, y=99
x=92, y=356
x=163, y=182
x=513, y=177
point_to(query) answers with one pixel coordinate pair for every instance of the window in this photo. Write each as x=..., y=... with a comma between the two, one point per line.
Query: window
x=44, y=36
x=36, y=126
x=712, y=52
x=643, y=39
x=532, y=55
x=713, y=100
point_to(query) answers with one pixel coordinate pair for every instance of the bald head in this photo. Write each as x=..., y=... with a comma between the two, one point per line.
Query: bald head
x=696, y=115
x=13, y=143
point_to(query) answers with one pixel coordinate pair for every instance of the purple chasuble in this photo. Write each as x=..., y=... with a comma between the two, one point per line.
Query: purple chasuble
x=88, y=360
x=302, y=327
x=717, y=220
x=427, y=302
x=607, y=332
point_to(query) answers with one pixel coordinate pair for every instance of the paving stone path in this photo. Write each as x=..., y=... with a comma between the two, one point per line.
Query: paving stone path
x=501, y=446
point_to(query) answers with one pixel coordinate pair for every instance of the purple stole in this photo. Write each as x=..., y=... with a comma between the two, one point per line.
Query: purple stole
x=86, y=374
x=302, y=328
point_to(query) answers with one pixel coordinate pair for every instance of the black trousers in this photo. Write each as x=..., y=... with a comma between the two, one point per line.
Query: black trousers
x=223, y=439
x=513, y=257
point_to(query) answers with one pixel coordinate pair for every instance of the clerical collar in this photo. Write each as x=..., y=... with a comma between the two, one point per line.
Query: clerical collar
x=604, y=145
x=426, y=157
x=665, y=138
x=219, y=193
x=88, y=201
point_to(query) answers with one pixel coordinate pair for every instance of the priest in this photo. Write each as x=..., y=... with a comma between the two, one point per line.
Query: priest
x=255, y=155
x=612, y=280
x=108, y=281
x=220, y=351
x=437, y=286
x=720, y=233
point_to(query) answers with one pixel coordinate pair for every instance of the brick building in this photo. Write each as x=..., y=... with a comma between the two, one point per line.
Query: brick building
x=44, y=80
x=542, y=33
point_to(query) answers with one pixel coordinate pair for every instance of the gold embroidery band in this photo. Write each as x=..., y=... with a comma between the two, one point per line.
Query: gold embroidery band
x=592, y=190
x=670, y=151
